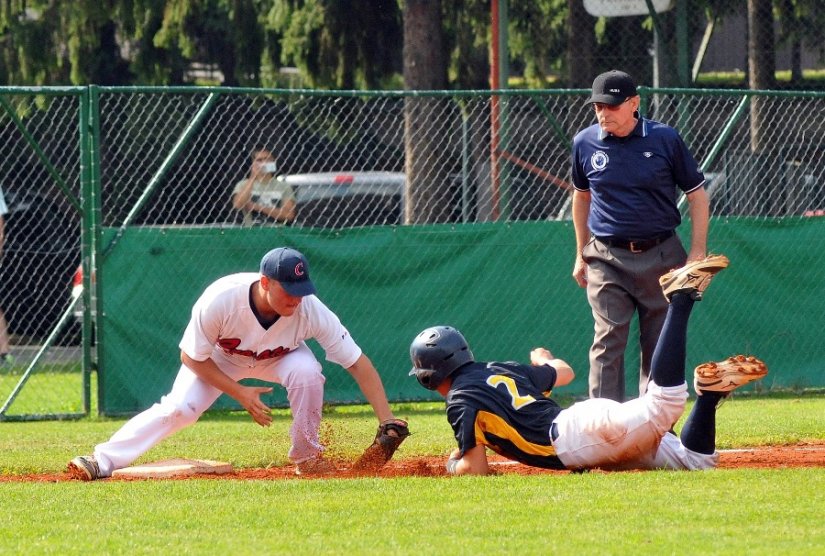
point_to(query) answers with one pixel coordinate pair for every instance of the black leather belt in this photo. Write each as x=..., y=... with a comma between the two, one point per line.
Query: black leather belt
x=635, y=245
x=554, y=432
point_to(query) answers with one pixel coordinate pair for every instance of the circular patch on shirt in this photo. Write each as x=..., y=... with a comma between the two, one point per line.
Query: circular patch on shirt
x=599, y=160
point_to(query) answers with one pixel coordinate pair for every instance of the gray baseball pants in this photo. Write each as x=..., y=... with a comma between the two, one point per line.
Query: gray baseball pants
x=619, y=284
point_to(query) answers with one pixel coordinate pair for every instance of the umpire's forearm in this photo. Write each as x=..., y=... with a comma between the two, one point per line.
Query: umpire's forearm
x=581, y=210
x=699, y=208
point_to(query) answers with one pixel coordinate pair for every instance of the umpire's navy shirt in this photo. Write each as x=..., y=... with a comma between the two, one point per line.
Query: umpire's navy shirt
x=632, y=180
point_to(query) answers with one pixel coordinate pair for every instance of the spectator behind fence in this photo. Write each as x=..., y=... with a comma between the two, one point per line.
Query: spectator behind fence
x=627, y=173
x=262, y=198
x=5, y=356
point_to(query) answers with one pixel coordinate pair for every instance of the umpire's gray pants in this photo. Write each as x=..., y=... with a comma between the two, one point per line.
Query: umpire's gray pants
x=619, y=283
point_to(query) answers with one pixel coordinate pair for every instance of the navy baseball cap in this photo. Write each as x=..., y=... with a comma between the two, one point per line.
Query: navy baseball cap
x=612, y=87
x=290, y=268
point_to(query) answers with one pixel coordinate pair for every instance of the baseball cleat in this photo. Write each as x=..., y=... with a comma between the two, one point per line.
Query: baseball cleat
x=693, y=278
x=315, y=466
x=84, y=468
x=728, y=375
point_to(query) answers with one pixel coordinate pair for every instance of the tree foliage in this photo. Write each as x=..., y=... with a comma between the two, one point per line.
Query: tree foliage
x=342, y=44
x=345, y=44
x=802, y=20
x=223, y=32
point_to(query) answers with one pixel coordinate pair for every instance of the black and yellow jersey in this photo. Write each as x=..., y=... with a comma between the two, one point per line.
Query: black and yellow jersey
x=505, y=406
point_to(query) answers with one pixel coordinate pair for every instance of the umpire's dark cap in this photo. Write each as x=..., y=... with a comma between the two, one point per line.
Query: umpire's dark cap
x=612, y=87
x=290, y=268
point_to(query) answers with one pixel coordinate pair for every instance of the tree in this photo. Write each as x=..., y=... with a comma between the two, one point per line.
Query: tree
x=801, y=22
x=466, y=30
x=761, y=68
x=25, y=43
x=57, y=43
x=152, y=64
x=425, y=130
x=536, y=44
x=347, y=44
x=581, y=45
x=538, y=38
x=94, y=52
x=224, y=32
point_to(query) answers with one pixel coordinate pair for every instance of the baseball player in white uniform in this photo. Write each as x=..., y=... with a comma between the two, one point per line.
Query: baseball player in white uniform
x=250, y=325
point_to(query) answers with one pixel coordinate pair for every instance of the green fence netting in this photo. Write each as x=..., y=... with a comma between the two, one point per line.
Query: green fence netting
x=506, y=286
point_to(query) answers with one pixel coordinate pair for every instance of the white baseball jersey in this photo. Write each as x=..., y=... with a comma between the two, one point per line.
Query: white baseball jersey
x=224, y=327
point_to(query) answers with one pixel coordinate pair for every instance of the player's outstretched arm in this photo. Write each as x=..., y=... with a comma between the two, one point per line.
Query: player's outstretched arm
x=564, y=372
x=364, y=373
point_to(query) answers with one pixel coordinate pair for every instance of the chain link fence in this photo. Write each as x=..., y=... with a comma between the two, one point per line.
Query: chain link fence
x=176, y=159
x=414, y=209
x=41, y=176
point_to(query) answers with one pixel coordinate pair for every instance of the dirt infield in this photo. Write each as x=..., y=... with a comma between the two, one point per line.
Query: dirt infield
x=767, y=457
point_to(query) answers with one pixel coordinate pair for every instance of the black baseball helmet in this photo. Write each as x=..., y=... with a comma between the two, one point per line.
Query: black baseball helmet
x=436, y=353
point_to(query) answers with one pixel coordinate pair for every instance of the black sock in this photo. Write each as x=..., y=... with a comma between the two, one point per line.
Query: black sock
x=667, y=367
x=699, y=432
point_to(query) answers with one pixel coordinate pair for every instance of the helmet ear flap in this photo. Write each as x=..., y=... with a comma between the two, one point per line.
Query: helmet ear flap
x=425, y=378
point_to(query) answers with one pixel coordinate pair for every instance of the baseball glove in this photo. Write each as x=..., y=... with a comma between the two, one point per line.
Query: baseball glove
x=390, y=435
x=728, y=375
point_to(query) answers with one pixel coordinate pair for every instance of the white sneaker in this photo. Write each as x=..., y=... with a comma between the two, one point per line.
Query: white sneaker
x=84, y=468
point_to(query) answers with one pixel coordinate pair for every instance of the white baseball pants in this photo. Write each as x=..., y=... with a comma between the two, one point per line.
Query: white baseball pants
x=298, y=371
x=605, y=434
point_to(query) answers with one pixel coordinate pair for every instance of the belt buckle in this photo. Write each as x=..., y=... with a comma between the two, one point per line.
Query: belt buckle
x=633, y=248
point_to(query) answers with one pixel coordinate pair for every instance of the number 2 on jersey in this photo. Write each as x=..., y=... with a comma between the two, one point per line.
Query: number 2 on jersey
x=517, y=400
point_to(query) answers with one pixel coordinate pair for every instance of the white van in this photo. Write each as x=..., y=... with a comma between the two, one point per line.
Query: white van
x=348, y=199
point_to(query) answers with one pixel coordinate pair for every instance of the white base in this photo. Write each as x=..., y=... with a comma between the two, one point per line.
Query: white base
x=177, y=467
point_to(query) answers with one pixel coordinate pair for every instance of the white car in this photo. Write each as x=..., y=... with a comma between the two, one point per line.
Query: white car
x=347, y=199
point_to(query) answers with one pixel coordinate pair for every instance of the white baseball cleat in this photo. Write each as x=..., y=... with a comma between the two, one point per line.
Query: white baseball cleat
x=84, y=468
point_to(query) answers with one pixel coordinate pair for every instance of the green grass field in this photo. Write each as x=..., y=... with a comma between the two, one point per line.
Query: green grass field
x=747, y=511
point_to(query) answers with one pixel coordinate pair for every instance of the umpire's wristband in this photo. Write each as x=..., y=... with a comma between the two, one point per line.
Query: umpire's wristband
x=451, y=465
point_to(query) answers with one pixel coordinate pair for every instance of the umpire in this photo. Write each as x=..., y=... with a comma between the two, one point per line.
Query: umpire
x=627, y=173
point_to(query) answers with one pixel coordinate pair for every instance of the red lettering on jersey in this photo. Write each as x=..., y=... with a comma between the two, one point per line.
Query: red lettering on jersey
x=272, y=353
x=230, y=346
